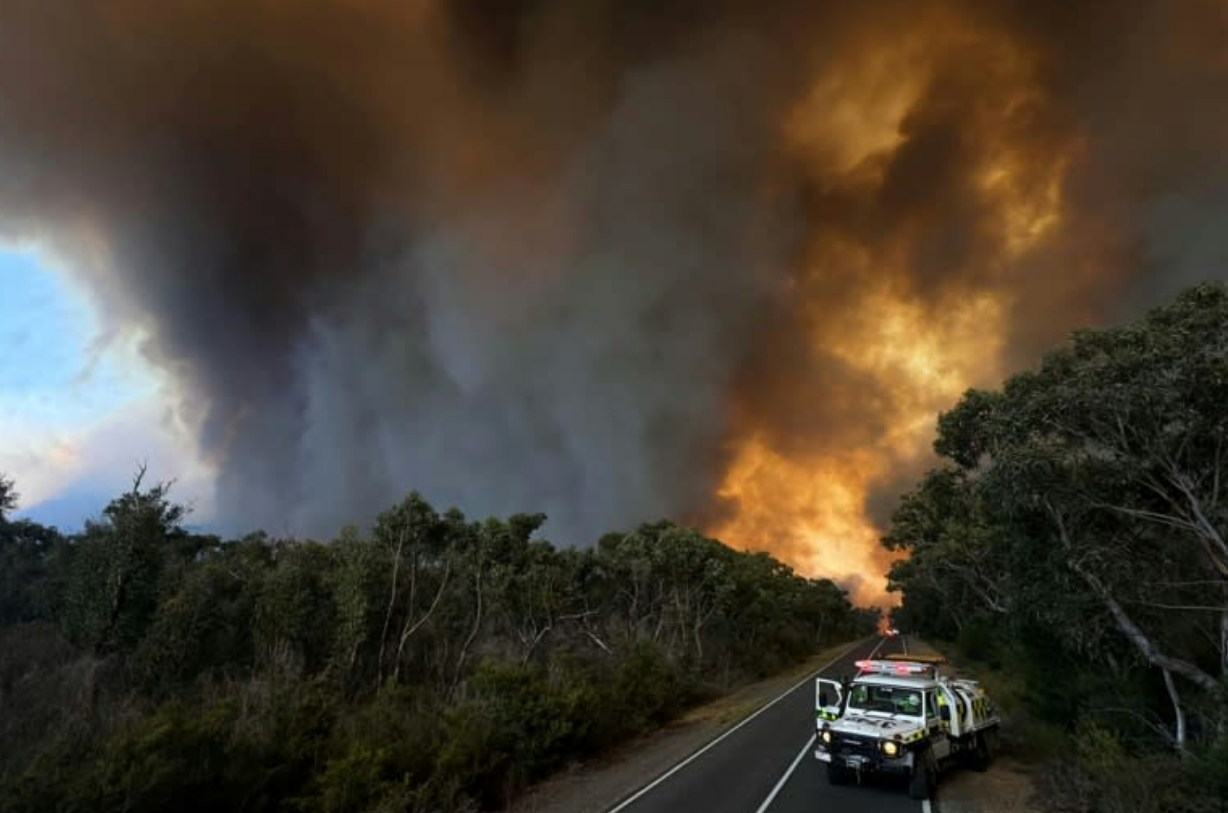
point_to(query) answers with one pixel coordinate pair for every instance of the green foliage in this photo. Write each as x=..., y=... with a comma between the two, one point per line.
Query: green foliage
x=433, y=663
x=295, y=616
x=33, y=568
x=204, y=623
x=358, y=578
x=381, y=755
x=1080, y=516
x=8, y=498
x=1105, y=776
x=114, y=579
x=511, y=729
x=1210, y=772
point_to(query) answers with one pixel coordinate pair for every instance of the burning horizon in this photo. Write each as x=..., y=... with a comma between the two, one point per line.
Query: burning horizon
x=916, y=350
x=722, y=261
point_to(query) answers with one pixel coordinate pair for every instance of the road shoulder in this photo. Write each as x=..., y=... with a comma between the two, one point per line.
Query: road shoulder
x=598, y=785
x=1007, y=787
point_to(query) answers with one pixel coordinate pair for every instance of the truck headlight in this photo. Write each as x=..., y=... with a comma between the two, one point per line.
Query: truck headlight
x=890, y=748
x=825, y=736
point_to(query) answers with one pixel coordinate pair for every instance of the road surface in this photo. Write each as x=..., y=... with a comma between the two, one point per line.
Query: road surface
x=766, y=764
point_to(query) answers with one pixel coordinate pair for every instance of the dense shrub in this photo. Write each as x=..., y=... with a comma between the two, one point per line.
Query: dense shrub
x=435, y=665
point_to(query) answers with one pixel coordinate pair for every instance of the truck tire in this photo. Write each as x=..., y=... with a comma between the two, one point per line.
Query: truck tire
x=922, y=780
x=837, y=774
x=982, y=751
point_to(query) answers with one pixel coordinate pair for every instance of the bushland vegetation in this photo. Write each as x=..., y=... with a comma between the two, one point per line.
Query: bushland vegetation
x=427, y=663
x=1076, y=534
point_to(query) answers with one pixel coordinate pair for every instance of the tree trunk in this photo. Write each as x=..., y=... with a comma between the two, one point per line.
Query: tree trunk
x=412, y=626
x=392, y=600
x=1223, y=637
x=1178, y=713
x=473, y=633
x=1125, y=624
x=1222, y=723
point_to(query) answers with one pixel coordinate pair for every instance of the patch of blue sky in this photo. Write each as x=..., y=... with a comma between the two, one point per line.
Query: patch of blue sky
x=56, y=375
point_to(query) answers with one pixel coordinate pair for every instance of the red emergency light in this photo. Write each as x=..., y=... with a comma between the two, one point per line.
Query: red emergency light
x=903, y=668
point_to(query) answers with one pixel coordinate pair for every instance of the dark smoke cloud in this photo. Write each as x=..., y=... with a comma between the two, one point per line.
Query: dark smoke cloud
x=537, y=255
x=487, y=255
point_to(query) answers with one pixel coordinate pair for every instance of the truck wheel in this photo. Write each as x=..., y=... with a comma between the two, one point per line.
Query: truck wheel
x=982, y=754
x=837, y=775
x=921, y=782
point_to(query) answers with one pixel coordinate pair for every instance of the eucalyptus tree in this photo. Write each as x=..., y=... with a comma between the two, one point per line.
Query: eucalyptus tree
x=1090, y=495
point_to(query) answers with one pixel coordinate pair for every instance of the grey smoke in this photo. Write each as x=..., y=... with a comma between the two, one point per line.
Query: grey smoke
x=527, y=256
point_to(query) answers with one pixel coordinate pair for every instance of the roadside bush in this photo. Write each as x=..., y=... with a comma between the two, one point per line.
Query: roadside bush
x=981, y=639
x=434, y=665
x=1211, y=773
x=513, y=729
x=647, y=690
x=1105, y=777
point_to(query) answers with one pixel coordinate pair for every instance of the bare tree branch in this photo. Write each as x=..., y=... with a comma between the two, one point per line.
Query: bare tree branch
x=1133, y=633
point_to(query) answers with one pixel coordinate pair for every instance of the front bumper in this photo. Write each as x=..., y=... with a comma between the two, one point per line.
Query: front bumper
x=861, y=754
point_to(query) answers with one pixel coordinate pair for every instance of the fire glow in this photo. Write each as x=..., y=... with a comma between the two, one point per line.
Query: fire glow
x=918, y=354
x=720, y=262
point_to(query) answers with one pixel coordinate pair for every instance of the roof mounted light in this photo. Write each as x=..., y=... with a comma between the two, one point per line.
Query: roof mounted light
x=898, y=668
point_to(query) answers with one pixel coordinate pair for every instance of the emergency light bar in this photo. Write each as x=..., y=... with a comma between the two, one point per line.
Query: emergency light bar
x=901, y=656
x=898, y=668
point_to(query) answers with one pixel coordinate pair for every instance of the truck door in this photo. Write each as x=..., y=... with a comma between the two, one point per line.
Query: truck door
x=828, y=699
x=939, y=739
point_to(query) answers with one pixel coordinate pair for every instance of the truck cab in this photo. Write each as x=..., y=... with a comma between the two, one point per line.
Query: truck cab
x=901, y=717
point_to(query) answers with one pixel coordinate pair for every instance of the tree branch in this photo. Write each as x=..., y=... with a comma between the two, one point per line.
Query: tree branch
x=1127, y=626
x=1161, y=606
x=1179, y=714
x=392, y=599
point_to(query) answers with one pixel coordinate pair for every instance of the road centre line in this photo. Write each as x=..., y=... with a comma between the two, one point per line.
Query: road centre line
x=712, y=744
x=771, y=796
x=797, y=759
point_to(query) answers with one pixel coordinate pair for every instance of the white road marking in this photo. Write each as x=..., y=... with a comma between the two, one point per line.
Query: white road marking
x=797, y=759
x=788, y=773
x=712, y=744
x=925, y=803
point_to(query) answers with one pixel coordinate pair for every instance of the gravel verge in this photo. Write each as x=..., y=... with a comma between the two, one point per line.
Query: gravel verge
x=1007, y=787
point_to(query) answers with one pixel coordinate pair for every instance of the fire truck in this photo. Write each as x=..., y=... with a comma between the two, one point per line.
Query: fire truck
x=898, y=715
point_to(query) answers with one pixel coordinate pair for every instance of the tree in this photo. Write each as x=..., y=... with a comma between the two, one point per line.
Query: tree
x=955, y=566
x=417, y=543
x=114, y=585
x=673, y=582
x=32, y=564
x=8, y=498
x=205, y=617
x=295, y=614
x=1097, y=482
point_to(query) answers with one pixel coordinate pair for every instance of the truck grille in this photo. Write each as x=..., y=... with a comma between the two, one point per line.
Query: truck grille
x=847, y=744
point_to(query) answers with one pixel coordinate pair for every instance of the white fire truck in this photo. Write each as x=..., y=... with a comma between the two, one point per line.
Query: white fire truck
x=898, y=715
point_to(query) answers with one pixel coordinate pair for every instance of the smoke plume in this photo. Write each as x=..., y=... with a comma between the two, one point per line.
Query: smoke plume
x=718, y=261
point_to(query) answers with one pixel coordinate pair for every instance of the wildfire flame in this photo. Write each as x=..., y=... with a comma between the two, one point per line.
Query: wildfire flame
x=612, y=265
x=918, y=352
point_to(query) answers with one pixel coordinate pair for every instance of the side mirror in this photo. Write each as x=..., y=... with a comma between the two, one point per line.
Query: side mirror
x=825, y=698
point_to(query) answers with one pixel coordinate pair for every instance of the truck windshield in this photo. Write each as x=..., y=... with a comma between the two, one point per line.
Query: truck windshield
x=867, y=697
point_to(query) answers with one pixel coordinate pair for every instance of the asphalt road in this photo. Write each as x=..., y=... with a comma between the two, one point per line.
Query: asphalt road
x=766, y=764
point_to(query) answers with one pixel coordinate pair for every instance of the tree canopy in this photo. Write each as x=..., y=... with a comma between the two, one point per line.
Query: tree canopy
x=1085, y=501
x=430, y=662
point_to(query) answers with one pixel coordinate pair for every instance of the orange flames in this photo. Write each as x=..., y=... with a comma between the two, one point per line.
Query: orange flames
x=812, y=512
x=918, y=350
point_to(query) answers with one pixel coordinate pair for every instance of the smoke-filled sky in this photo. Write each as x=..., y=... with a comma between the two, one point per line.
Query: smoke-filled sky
x=719, y=261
